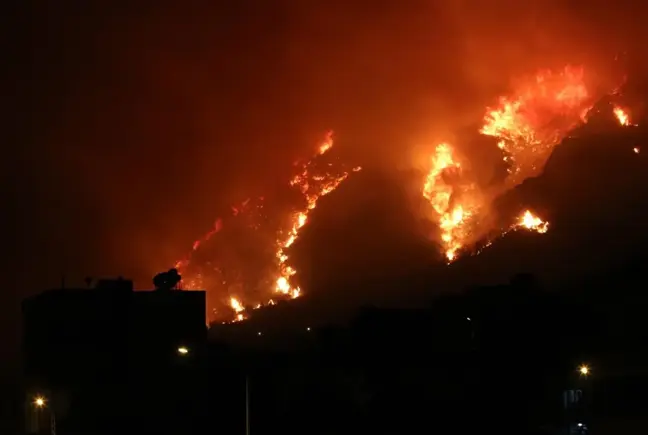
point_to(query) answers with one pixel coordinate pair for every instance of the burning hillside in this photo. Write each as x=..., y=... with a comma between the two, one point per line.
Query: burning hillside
x=262, y=273
x=538, y=115
x=526, y=126
x=245, y=261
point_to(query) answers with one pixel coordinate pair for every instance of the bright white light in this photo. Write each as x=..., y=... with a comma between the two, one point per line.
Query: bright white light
x=182, y=350
x=308, y=329
x=584, y=370
x=39, y=401
x=580, y=425
x=468, y=318
x=259, y=333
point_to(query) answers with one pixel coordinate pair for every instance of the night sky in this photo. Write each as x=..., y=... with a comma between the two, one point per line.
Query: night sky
x=130, y=126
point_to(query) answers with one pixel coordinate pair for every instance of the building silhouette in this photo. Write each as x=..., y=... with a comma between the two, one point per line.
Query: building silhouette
x=108, y=359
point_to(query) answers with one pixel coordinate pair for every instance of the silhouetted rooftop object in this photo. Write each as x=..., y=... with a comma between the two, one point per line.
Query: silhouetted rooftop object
x=167, y=280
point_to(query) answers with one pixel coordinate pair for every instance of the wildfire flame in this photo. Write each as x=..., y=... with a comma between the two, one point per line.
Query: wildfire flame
x=312, y=187
x=312, y=183
x=458, y=205
x=622, y=115
x=450, y=200
x=531, y=222
x=536, y=117
x=238, y=308
x=218, y=225
x=527, y=124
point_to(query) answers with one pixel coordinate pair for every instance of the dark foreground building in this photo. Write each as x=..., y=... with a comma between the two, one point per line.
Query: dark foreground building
x=108, y=359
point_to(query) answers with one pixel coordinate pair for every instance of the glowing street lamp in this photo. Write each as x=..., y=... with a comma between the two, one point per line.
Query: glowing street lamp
x=183, y=350
x=39, y=402
x=584, y=370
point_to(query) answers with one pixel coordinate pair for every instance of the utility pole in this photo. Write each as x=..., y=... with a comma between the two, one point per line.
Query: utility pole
x=52, y=422
x=247, y=406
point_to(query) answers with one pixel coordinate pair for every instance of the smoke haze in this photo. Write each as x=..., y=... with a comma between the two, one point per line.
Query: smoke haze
x=131, y=127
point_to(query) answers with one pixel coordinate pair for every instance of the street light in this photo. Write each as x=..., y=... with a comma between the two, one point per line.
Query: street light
x=584, y=370
x=40, y=402
x=183, y=350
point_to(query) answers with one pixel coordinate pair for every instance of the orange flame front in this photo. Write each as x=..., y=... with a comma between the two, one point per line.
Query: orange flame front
x=238, y=308
x=312, y=187
x=527, y=124
x=312, y=183
x=451, y=200
x=535, y=118
x=622, y=115
x=531, y=222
